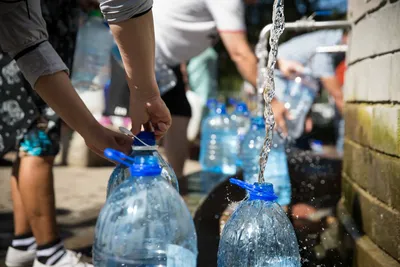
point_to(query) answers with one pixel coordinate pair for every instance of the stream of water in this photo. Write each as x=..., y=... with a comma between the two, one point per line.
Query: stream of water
x=266, y=79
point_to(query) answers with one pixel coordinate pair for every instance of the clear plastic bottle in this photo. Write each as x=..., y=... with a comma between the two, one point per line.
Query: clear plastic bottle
x=298, y=97
x=276, y=170
x=240, y=118
x=144, y=222
x=259, y=233
x=143, y=145
x=219, y=142
x=91, y=67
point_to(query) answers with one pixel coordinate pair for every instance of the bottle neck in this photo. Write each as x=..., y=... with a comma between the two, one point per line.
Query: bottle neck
x=144, y=148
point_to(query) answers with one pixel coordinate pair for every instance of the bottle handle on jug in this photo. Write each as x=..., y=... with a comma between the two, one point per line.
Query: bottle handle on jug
x=117, y=156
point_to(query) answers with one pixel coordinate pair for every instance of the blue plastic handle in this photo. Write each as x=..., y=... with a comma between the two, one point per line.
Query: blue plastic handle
x=117, y=156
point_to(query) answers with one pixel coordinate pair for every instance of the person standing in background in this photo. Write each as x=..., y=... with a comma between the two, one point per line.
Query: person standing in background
x=24, y=37
x=201, y=73
x=183, y=30
x=36, y=133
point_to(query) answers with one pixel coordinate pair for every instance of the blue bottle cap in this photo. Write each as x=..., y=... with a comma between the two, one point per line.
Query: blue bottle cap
x=257, y=122
x=147, y=138
x=257, y=191
x=232, y=101
x=221, y=109
x=241, y=107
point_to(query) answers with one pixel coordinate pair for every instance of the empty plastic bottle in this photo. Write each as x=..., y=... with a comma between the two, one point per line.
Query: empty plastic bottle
x=259, y=233
x=240, y=118
x=143, y=145
x=144, y=222
x=298, y=97
x=276, y=170
x=91, y=68
x=219, y=142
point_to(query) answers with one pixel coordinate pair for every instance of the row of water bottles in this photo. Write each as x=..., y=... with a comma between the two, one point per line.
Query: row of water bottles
x=236, y=140
x=221, y=135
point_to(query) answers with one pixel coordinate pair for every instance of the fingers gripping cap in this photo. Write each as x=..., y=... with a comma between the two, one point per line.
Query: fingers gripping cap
x=145, y=138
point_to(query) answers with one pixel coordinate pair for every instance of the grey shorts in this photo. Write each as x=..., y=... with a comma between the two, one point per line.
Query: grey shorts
x=23, y=36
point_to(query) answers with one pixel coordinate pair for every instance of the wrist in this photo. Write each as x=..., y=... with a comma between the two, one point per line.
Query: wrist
x=144, y=95
x=89, y=128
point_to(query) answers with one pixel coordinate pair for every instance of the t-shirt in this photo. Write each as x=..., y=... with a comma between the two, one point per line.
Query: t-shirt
x=302, y=49
x=185, y=28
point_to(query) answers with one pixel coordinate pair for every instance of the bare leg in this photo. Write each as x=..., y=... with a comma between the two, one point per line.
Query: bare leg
x=21, y=222
x=176, y=144
x=37, y=193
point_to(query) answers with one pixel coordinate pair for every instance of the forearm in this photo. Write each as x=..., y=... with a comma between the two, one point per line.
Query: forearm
x=332, y=85
x=57, y=91
x=247, y=67
x=135, y=40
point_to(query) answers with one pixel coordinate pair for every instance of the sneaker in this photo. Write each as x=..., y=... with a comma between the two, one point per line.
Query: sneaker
x=69, y=259
x=20, y=258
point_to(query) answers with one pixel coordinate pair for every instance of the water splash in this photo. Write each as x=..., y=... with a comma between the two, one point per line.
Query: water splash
x=266, y=80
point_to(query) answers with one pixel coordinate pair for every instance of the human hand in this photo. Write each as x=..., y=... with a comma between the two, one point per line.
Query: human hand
x=102, y=138
x=280, y=116
x=151, y=109
x=289, y=68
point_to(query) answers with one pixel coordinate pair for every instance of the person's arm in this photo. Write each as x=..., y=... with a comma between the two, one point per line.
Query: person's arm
x=332, y=85
x=289, y=68
x=48, y=75
x=131, y=22
x=246, y=62
x=241, y=54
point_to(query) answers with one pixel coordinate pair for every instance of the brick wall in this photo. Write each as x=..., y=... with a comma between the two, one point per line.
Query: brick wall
x=371, y=172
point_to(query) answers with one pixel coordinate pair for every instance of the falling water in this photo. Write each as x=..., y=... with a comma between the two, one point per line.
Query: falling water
x=266, y=79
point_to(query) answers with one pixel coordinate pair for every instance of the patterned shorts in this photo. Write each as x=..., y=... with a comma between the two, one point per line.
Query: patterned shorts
x=40, y=142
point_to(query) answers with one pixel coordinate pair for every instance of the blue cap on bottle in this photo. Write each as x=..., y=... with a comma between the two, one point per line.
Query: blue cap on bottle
x=257, y=191
x=148, y=138
x=257, y=122
x=221, y=109
x=211, y=102
x=241, y=107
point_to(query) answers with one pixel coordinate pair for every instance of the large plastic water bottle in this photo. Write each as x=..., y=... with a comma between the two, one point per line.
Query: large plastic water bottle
x=91, y=67
x=219, y=142
x=144, y=222
x=240, y=118
x=276, y=170
x=298, y=97
x=143, y=145
x=259, y=233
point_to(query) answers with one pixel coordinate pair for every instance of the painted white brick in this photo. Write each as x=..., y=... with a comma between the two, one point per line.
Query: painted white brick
x=377, y=33
x=395, y=78
x=378, y=77
x=358, y=8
